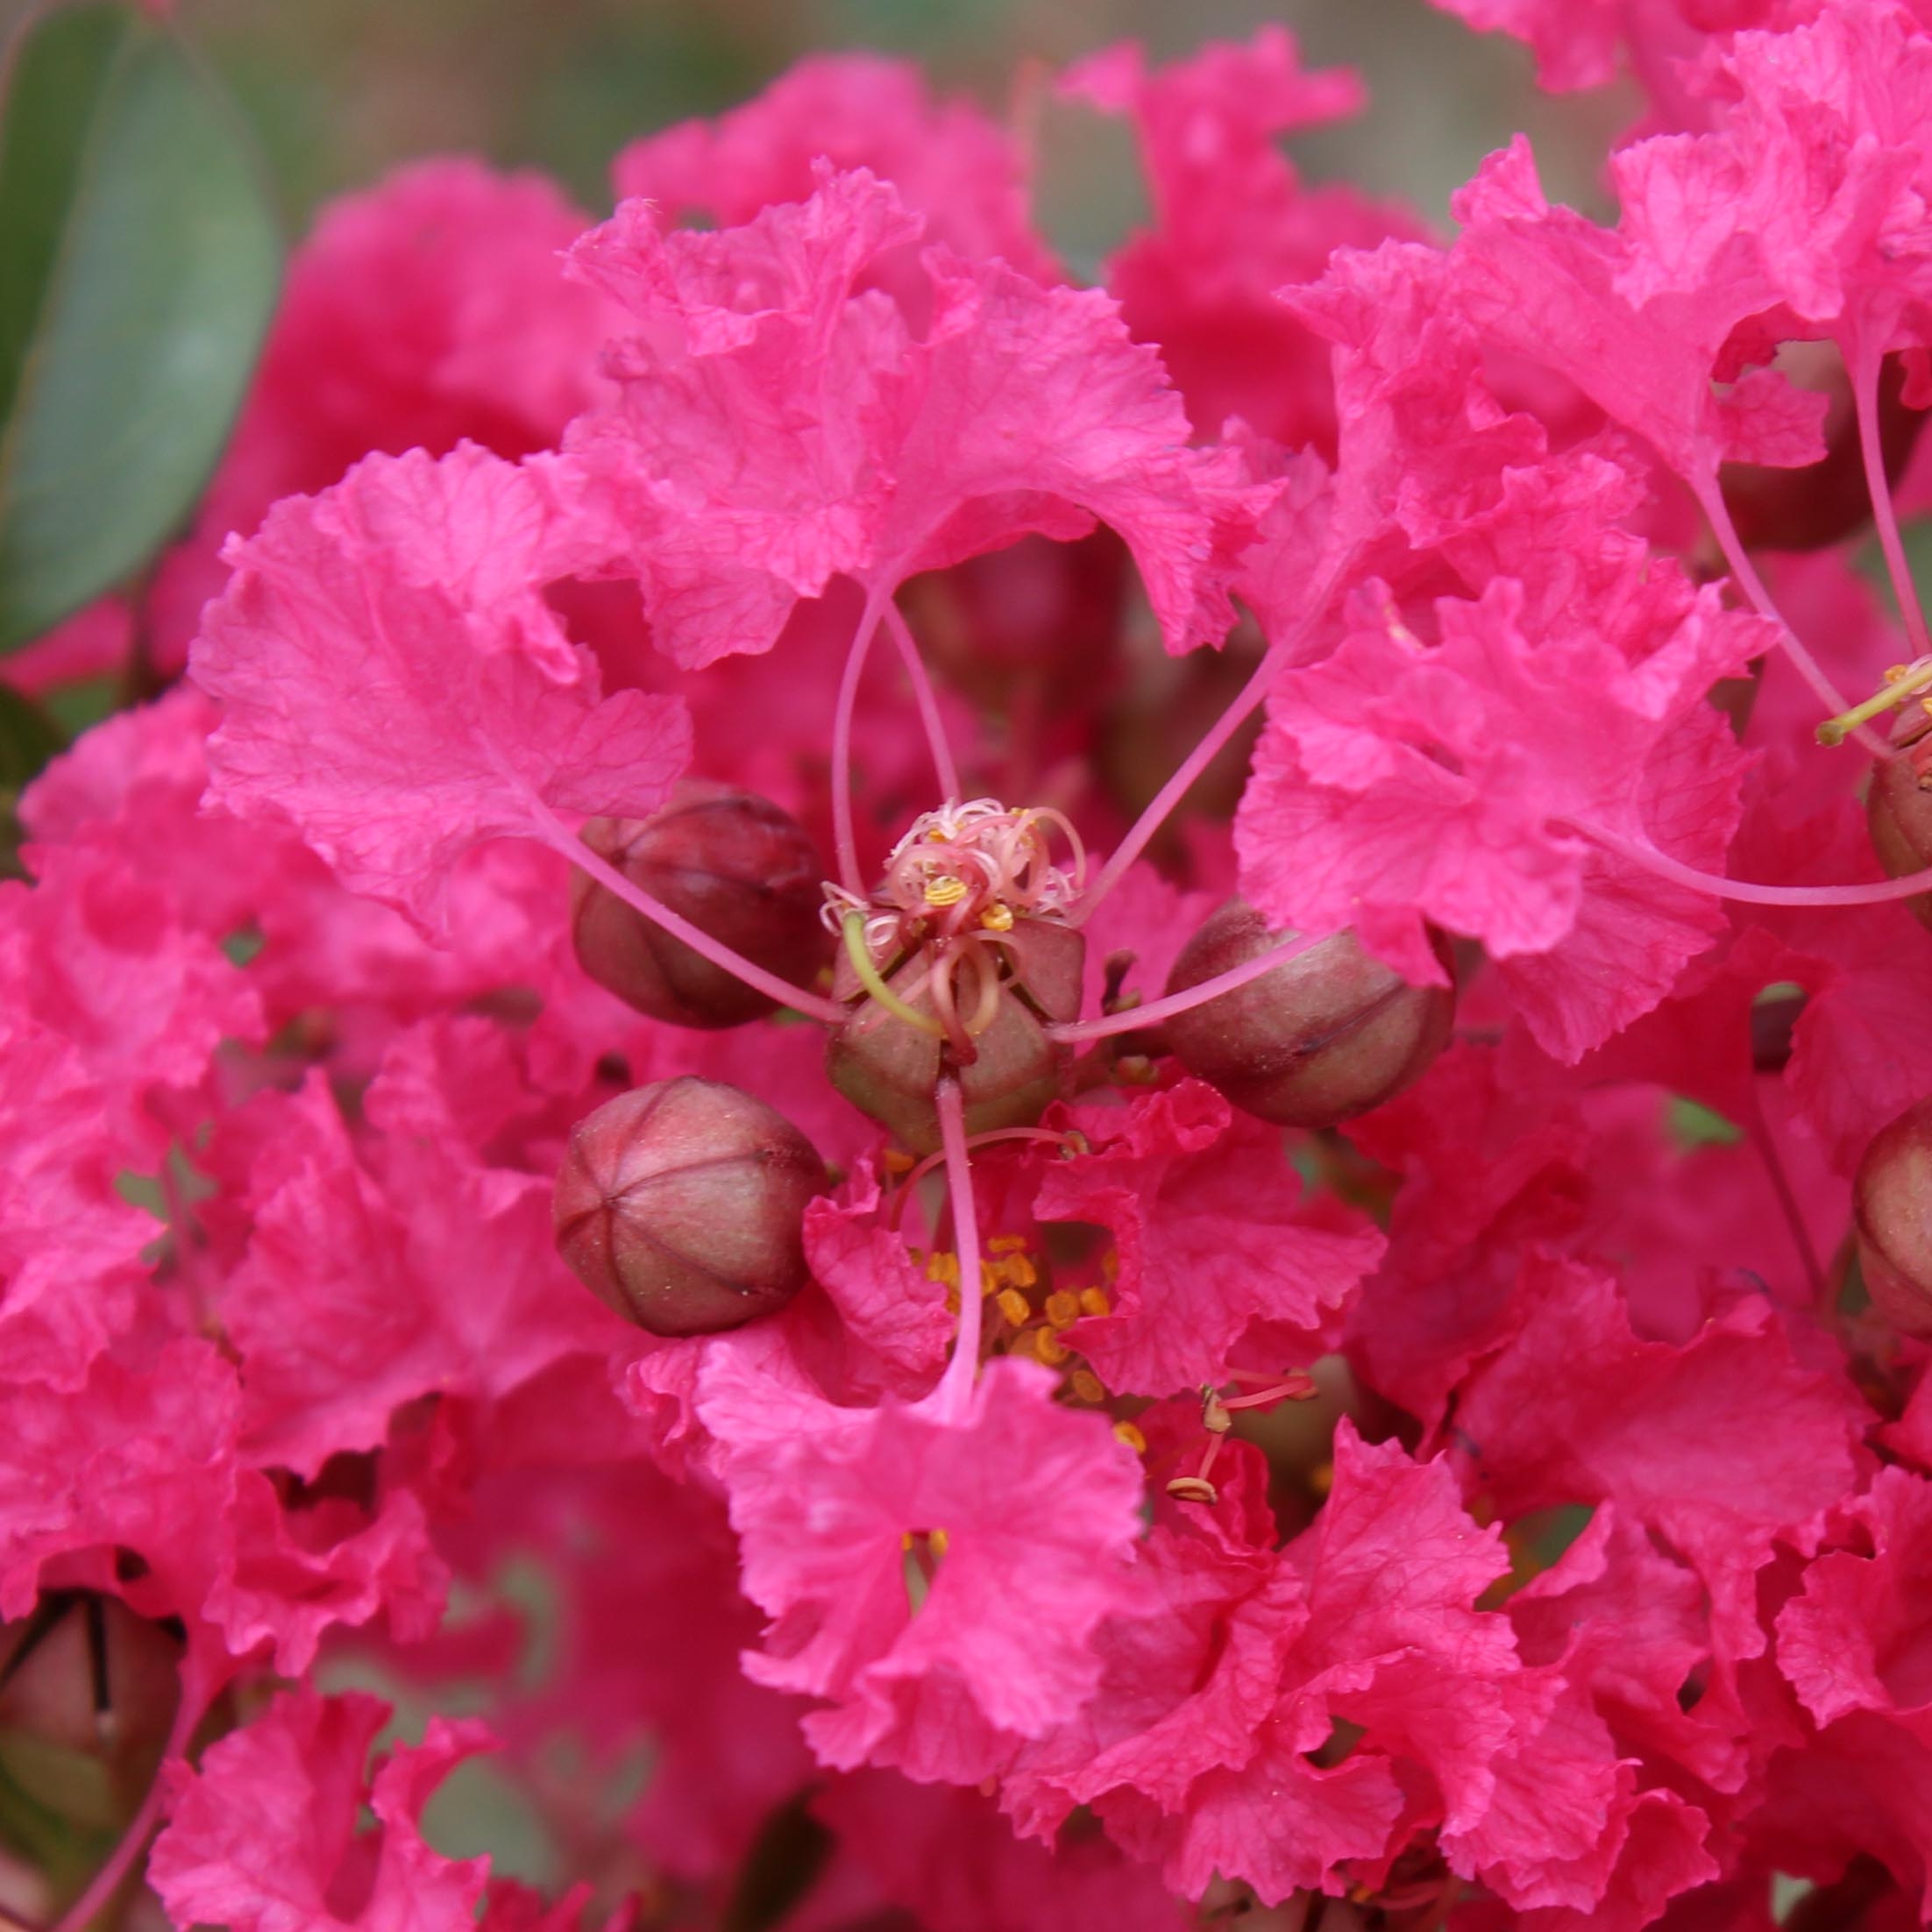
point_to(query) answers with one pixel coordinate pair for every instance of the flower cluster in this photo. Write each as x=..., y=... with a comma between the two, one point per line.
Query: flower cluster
x=1297, y=1275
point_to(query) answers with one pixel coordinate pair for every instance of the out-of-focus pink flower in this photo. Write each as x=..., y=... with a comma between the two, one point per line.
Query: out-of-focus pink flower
x=265, y=1836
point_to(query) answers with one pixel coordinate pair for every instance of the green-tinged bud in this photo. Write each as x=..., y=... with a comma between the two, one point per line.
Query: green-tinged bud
x=732, y=863
x=681, y=1206
x=889, y=1067
x=1319, y=1039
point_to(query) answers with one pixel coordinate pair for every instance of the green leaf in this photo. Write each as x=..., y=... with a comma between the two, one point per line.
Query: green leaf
x=138, y=267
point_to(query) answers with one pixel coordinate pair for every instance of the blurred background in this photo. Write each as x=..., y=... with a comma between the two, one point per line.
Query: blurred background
x=341, y=90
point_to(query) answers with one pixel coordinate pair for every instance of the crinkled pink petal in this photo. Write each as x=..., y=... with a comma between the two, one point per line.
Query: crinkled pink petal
x=948, y=1856
x=1549, y=285
x=1856, y=1638
x=394, y=688
x=1233, y=223
x=1037, y=1507
x=1391, y=1570
x=1210, y=1239
x=888, y=1305
x=299, y=1573
x=263, y=1837
x=361, y=1292
x=776, y=429
x=137, y=1459
x=70, y=1246
x=1485, y=1169
x=1455, y=783
x=962, y=172
x=100, y=955
x=1723, y=1446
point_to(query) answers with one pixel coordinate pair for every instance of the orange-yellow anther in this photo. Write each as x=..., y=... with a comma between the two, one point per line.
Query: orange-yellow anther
x=1086, y=1385
x=1014, y=1306
x=947, y=890
x=898, y=1162
x=1049, y=1348
x=1063, y=1307
x=942, y=1266
x=1018, y=1270
x=989, y=1278
x=1321, y=1478
x=939, y=1540
x=1093, y=1301
x=1124, y=1431
x=997, y=917
x=1008, y=1244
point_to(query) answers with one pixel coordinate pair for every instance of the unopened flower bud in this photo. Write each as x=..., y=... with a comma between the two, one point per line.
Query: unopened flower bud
x=890, y=1069
x=729, y=862
x=1319, y=1039
x=681, y=1204
x=1892, y=1199
x=1898, y=811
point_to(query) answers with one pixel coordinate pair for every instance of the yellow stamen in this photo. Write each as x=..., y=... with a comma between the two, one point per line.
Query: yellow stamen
x=1049, y=1348
x=1014, y=1306
x=997, y=917
x=1124, y=1431
x=1063, y=1307
x=943, y=1266
x=896, y=1161
x=939, y=1540
x=1093, y=1301
x=1008, y=1244
x=989, y=1278
x=1903, y=681
x=947, y=890
x=1086, y=1385
x=1019, y=1270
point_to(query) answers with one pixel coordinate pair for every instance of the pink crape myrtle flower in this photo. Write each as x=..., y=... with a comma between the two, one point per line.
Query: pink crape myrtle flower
x=1403, y=1401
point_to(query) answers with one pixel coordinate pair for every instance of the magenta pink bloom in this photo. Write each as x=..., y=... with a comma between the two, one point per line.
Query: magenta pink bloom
x=265, y=1837
x=1403, y=781
x=465, y=692
x=1213, y=1258
x=1010, y=1528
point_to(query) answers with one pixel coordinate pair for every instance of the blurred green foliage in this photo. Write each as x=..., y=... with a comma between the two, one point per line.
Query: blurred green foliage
x=343, y=90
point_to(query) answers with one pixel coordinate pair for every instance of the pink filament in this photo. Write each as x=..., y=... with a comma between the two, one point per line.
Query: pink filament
x=954, y=1396
x=1711, y=500
x=1873, y=893
x=1137, y=1017
x=1204, y=754
x=844, y=838
x=926, y=699
x=552, y=833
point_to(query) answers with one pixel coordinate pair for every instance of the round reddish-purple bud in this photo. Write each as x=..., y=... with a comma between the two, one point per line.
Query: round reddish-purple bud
x=890, y=1070
x=1898, y=811
x=732, y=863
x=1316, y=1041
x=681, y=1204
x=1892, y=1199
